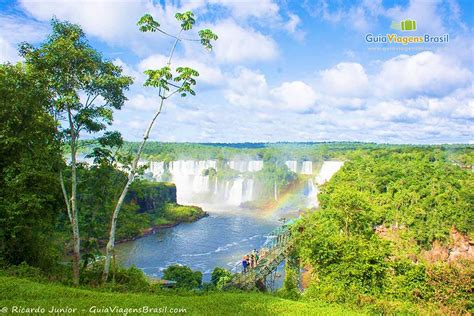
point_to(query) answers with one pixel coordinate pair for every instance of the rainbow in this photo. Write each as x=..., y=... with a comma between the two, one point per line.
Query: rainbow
x=273, y=207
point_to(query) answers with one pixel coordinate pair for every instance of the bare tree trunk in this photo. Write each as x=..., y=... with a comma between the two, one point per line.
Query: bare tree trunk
x=76, y=240
x=131, y=176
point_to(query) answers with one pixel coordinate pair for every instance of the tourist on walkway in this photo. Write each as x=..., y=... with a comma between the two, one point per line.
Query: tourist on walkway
x=252, y=260
x=245, y=264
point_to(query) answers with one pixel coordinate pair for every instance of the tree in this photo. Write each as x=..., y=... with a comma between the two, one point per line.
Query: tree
x=168, y=84
x=84, y=91
x=29, y=162
x=184, y=276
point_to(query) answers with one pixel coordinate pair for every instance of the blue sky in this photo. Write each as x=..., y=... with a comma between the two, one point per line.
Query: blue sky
x=282, y=70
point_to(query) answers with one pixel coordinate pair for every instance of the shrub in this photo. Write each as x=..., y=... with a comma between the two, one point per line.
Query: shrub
x=220, y=277
x=184, y=276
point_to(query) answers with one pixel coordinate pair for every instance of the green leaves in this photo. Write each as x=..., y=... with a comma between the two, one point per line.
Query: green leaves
x=206, y=36
x=80, y=82
x=162, y=78
x=148, y=24
x=187, y=19
x=159, y=78
x=185, y=76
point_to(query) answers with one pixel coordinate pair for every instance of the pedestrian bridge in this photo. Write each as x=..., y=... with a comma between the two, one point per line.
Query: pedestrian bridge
x=277, y=247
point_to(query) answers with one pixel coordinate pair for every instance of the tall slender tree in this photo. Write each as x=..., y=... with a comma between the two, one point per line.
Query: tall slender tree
x=169, y=83
x=84, y=89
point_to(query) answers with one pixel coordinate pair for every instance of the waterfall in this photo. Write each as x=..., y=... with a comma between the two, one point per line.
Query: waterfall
x=236, y=192
x=248, y=188
x=292, y=165
x=246, y=166
x=311, y=194
x=307, y=167
x=327, y=170
x=189, y=179
x=275, y=192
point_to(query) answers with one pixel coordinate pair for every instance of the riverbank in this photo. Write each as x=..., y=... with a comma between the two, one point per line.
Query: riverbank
x=166, y=223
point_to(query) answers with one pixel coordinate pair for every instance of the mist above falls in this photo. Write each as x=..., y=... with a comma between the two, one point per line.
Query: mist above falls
x=198, y=181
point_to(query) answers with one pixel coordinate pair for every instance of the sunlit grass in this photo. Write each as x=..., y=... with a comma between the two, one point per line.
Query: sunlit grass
x=15, y=291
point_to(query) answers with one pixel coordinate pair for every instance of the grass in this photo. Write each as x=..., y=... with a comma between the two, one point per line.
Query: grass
x=21, y=292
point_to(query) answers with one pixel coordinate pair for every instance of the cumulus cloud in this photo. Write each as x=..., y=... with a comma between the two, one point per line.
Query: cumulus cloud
x=294, y=95
x=237, y=43
x=426, y=73
x=345, y=79
x=14, y=30
x=115, y=23
x=141, y=102
x=107, y=19
x=250, y=89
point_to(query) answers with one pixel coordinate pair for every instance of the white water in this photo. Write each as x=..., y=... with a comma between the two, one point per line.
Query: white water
x=246, y=166
x=328, y=169
x=292, y=165
x=195, y=188
x=307, y=167
x=304, y=167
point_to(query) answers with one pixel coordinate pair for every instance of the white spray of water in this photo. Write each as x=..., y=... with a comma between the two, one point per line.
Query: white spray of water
x=328, y=169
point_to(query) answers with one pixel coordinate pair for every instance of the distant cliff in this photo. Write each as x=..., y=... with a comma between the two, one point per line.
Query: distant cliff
x=152, y=205
x=151, y=196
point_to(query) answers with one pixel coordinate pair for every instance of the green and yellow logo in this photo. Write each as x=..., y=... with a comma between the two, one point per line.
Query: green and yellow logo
x=407, y=25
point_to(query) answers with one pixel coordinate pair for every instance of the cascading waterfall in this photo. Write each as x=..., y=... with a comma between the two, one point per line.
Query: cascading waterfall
x=307, y=167
x=195, y=187
x=327, y=170
x=311, y=193
x=236, y=192
x=246, y=166
x=292, y=165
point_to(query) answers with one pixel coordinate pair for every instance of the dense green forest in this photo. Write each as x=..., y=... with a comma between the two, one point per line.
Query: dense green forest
x=384, y=219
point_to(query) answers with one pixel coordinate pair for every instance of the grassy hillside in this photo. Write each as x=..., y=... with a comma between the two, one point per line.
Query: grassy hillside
x=25, y=293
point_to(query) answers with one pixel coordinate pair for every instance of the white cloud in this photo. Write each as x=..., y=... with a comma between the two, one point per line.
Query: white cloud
x=293, y=22
x=345, y=79
x=249, y=89
x=423, y=73
x=294, y=95
x=237, y=43
x=107, y=19
x=8, y=53
x=14, y=30
x=142, y=102
x=426, y=14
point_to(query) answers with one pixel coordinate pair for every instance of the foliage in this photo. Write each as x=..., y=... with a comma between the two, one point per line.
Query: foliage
x=274, y=176
x=30, y=159
x=83, y=91
x=377, y=213
x=182, y=213
x=184, y=276
x=220, y=277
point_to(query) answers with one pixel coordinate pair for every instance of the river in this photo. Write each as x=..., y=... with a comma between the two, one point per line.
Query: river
x=219, y=240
